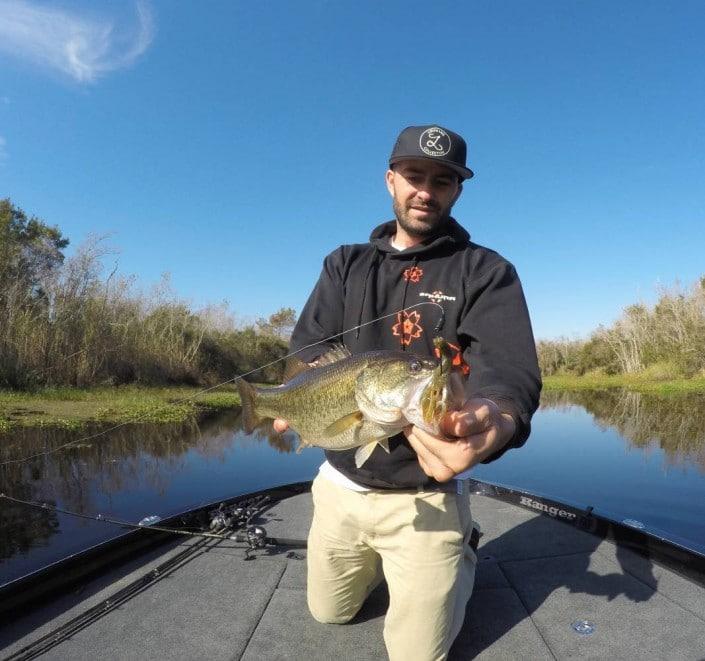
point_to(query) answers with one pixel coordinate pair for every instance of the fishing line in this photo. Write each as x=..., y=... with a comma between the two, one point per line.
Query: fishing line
x=234, y=520
x=149, y=522
x=436, y=329
x=107, y=519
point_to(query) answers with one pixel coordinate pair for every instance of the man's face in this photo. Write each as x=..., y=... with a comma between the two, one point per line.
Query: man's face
x=424, y=193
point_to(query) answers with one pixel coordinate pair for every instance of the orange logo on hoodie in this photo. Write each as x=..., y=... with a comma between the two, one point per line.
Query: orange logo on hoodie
x=413, y=273
x=407, y=327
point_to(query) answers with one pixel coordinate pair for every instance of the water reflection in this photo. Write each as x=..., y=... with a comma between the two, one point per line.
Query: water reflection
x=576, y=454
x=676, y=424
x=91, y=476
x=117, y=459
x=22, y=528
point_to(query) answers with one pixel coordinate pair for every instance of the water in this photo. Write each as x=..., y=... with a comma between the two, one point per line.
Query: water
x=129, y=474
x=630, y=456
x=627, y=455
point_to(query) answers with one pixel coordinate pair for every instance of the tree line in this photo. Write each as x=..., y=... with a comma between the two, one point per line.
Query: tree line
x=663, y=341
x=66, y=322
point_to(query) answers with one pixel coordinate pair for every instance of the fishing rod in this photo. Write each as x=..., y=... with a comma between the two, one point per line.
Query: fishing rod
x=223, y=518
x=227, y=520
x=437, y=328
x=147, y=522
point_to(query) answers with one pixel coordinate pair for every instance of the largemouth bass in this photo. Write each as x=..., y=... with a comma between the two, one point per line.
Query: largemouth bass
x=358, y=401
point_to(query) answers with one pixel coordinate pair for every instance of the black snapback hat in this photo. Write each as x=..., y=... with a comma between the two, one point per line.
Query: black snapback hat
x=433, y=143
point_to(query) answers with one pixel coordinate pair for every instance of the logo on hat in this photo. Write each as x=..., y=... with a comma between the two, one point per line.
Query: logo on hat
x=435, y=142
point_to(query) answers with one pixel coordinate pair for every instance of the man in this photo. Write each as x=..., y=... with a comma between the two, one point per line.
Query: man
x=402, y=515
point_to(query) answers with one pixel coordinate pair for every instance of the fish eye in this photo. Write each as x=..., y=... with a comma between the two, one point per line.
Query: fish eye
x=415, y=366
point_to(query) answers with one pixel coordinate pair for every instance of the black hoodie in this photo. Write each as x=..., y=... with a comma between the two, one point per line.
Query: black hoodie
x=486, y=320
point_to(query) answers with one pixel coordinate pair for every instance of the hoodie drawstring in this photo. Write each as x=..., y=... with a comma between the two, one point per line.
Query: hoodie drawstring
x=414, y=264
x=370, y=266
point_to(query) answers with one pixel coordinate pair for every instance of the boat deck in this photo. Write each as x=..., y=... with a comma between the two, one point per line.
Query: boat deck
x=536, y=576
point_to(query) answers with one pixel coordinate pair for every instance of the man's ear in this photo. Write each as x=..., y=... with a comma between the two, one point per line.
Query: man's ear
x=389, y=180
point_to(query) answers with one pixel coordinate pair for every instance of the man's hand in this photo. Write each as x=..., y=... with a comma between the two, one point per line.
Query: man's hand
x=474, y=433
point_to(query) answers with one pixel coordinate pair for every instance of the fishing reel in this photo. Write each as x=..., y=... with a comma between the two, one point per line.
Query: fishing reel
x=220, y=521
x=256, y=537
x=236, y=516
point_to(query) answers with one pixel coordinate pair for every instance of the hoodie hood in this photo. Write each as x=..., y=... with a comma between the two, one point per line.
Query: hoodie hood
x=450, y=234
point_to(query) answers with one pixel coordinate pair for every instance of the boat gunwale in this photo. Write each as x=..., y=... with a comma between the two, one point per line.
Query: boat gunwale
x=21, y=593
x=675, y=556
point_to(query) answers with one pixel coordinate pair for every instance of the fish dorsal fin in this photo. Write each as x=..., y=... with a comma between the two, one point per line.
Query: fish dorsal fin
x=333, y=355
x=293, y=367
x=343, y=424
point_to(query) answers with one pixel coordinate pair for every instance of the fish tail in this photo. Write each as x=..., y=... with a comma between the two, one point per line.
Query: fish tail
x=248, y=399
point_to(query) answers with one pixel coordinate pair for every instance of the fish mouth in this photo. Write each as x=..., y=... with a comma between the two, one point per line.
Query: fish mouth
x=434, y=399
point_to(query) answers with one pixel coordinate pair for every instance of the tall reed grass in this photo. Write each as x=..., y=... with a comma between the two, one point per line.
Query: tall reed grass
x=661, y=342
x=67, y=323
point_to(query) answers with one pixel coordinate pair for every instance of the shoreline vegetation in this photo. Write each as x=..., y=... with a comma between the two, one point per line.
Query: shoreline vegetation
x=78, y=408
x=80, y=345
x=659, y=343
x=73, y=323
x=75, y=408
x=630, y=382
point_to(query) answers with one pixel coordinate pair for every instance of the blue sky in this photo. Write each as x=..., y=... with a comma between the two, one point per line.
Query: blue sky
x=234, y=144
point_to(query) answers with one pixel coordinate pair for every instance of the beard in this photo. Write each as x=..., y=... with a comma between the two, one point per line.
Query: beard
x=421, y=229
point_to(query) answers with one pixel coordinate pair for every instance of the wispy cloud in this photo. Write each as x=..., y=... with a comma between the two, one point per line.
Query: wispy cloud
x=3, y=151
x=80, y=46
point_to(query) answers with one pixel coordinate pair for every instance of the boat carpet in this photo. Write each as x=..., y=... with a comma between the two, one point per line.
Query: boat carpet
x=536, y=577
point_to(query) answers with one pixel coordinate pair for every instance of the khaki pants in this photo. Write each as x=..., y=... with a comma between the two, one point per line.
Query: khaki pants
x=419, y=542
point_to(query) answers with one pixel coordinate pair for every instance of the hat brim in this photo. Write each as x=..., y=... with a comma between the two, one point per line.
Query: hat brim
x=465, y=173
